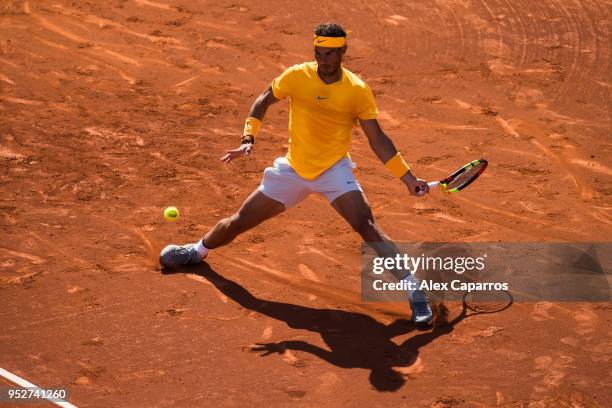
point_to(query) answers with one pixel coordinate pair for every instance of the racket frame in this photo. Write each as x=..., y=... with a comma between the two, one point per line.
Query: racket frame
x=445, y=182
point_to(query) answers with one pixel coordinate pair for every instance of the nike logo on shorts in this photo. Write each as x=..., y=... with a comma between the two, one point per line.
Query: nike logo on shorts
x=321, y=97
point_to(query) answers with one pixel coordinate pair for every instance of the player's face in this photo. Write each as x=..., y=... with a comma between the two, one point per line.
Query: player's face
x=329, y=59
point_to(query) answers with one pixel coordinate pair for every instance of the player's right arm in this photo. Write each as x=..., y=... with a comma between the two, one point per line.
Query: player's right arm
x=261, y=104
x=257, y=112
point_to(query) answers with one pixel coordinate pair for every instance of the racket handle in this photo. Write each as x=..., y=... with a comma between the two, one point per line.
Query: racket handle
x=431, y=185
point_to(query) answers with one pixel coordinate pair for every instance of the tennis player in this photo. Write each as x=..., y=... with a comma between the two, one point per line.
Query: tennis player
x=326, y=101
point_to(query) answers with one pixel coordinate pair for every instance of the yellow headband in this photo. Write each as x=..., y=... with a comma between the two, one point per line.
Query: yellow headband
x=329, y=42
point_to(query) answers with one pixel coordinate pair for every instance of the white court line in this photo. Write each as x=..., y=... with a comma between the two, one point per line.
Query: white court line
x=24, y=383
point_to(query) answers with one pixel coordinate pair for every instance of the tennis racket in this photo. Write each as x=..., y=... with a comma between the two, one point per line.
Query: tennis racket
x=461, y=178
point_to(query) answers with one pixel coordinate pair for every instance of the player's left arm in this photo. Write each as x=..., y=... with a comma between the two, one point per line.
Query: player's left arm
x=384, y=148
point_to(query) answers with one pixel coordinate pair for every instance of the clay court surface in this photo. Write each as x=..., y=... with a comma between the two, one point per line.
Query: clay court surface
x=111, y=111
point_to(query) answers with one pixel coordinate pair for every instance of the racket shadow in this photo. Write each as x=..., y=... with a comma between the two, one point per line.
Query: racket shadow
x=353, y=340
x=477, y=303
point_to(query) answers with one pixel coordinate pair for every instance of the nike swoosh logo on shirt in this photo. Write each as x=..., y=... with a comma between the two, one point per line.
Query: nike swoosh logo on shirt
x=320, y=41
x=321, y=97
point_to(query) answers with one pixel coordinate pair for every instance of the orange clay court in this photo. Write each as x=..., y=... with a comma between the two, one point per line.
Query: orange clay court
x=111, y=111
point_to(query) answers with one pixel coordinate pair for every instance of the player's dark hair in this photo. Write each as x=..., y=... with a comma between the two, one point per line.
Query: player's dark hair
x=330, y=30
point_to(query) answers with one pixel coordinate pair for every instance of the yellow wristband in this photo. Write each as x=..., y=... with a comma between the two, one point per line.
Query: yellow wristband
x=397, y=165
x=251, y=126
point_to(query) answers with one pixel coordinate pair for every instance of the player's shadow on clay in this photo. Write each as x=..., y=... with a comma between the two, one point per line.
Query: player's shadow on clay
x=354, y=340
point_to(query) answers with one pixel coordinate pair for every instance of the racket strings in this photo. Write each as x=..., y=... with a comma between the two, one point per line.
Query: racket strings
x=466, y=177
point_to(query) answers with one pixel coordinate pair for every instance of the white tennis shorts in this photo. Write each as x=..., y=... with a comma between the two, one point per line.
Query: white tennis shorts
x=283, y=184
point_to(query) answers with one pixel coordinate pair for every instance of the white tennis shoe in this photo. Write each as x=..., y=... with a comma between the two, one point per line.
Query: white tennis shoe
x=175, y=256
x=421, y=311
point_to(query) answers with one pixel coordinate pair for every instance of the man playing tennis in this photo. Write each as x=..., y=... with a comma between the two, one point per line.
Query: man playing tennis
x=326, y=101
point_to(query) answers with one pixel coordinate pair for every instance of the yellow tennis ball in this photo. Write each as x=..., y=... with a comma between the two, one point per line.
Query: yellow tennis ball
x=171, y=214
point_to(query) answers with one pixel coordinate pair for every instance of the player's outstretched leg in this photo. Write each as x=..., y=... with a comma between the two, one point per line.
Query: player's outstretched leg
x=255, y=209
x=356, y=210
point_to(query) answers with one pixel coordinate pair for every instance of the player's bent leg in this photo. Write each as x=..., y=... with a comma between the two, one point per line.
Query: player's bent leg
x=354, y=208
x=255, y=209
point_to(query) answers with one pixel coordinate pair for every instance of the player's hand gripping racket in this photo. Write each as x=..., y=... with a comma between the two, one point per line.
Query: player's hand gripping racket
x=461, y=178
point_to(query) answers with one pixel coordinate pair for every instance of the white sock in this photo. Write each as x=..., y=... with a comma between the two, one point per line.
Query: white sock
x=414, y=284
x=202, y=250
